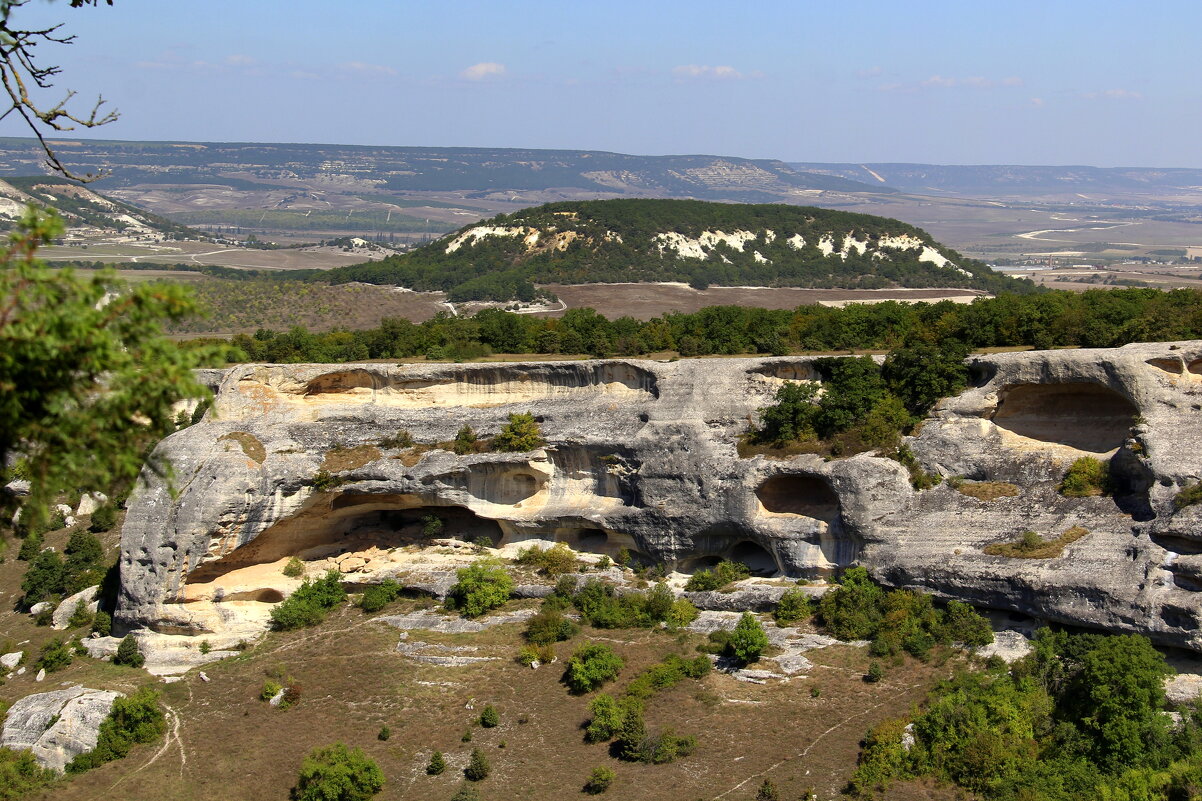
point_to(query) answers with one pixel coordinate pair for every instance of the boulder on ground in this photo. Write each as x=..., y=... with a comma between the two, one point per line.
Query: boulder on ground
x=57, y=726
x=69, y=604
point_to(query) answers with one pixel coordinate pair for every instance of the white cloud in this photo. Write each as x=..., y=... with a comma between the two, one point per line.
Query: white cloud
x=485, y=69
x=1114, y=94
x=971, y=82
x=721, y=72
x=240, y=60
x=363, y=68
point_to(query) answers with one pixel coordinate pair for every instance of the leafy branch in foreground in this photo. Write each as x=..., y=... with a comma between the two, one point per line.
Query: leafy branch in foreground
x=87, y=379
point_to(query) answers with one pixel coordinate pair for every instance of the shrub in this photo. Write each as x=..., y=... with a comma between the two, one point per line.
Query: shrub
x=604, y=608
x=875, y=672
x=748, y=640
x=963, y=624
x=133, y=719
x=659, y=603
x=1031, y=546
x=606, y=721
x=401, y=439
x=270, y=690
x=55, y=655
x=205, y=646
x=528, y=656
x=477, y=767
x=103, y=519
x=683, y=613
x=553, y=561
x=549, y=626
x=852, y=611
x=724, y=573
x=465, y=441
x=1085, y=477
x=793, y=606
x=31, y=546
x=432, y=527
x=378, y=596
x=591, y=666
x=384, y=734
x=489, y=718
x=479, y=588
x=80, y=616
x=767, y=792
x=102, y=624
x=663, y=675
x=520, y=434
x=44, y=579
x=1188, y=496
x=295, y=568
x=128, y=653
x=437, y=764
x=599, y=780
x=324, y=481
x=466, y=793
x=21, y=775
x=310, y=603
x=337, y=772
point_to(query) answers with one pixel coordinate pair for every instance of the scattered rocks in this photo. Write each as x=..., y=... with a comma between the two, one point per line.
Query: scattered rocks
x=11, y=660
x=90, y=502
x=41, y=675
x=1010, y=645
x=426, y=620
x=40, y=607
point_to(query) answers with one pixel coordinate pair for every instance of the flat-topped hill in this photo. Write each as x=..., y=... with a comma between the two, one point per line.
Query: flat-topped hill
x=698, y=242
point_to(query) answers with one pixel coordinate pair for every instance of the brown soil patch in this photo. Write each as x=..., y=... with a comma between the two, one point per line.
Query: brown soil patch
x=340, y=459
x=988, y=490
x=1046, y=549
x=250, y=444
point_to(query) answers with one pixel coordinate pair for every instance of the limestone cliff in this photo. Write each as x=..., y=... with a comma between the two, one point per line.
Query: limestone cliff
x=642, y=455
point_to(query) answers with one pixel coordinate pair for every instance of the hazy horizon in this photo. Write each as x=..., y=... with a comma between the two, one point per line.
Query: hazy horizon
x=939, y=82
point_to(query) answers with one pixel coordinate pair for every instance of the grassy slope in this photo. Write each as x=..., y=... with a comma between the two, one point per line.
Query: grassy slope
x=233, y=746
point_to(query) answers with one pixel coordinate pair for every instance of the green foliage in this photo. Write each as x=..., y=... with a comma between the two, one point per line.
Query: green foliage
x=87, y=379
x=294, y=568
x=673, y=670
x=55, y=655
x=134, y=719
x=465, y=441
x=80, y=616
x=549, y=626
x=553, y=561
x=479, y=588
x=599, y=780
x=875, y=672
x=270, y=690
x=102, y=623
x=722, y=575
x=437, y=764
x=128, y=653
x=767, y=792
x=920, y=374
x=478, y=767
x=490, y=718
x=84, y=559
x=466, y=793
x=384, y=734
x=401, y=439
x=103, y=519
x=793, y=606
x=1085, y=477
x=791, y=417
x=1080, y=718
x=591, y=666
x=683, y=613
x=309, y=604
x=31, y=546
x=45, y=579
x=748, y=640
x=520, y=434
x=337, y=773
x=1187, y=496
x=432, y=527
x=378, y=596
x=607, y=717
x=853, y=610
x=963, y=624
x=324, y=481
x=21, y=775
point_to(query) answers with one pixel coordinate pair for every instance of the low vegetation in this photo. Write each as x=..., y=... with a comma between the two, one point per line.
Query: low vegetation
x=987, y=490
x=479, y=588
x=520, y=434
x=378, y=596
x=310, y=603
x=591, y=666
x=21, y=775
x=134, y=719
x=337, y=773
x=721, y=576
x=553, y=561
x=51, y=576
x=1030, y=545
x=1080, y=718
x=1188, y=496
x=1086, y=477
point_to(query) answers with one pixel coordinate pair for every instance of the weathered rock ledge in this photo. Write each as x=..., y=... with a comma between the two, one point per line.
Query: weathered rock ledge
x=642, y=455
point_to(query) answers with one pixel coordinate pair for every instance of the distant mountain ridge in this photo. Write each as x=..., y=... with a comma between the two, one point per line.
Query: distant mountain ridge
x=698, y=242
x=244, y=166
x=1000, y=180
x=82, y=210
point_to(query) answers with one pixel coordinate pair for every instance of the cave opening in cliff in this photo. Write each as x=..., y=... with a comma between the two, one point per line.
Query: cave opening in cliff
x=352, y=524
x=756, y=557
x=796, y=494
x=1085, y=416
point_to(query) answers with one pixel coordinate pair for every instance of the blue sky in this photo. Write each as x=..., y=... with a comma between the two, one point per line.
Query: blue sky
x=963, y=82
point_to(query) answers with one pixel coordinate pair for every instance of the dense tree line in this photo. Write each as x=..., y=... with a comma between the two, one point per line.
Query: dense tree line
x=1096, y=318
x=615, y=240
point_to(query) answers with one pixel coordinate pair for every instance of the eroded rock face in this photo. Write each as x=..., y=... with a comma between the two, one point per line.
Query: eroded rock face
x=642, y=455
x=57, y=726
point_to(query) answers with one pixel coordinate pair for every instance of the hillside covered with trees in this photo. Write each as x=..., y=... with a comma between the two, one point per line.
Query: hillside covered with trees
x=702, y=243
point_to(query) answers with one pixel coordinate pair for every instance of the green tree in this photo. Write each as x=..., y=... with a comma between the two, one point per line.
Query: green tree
x=128, y=653
x=748, y=640
x=479, y=588
x=599, y=780
x=437, y=765
x=490, y=718
x=478, y=767
x=520, y=434
x=465, y=441
x=792, y=416
x=337, y=773
x=591, y=666
x=922, y=374
x=853, y=610
x=87, y=379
